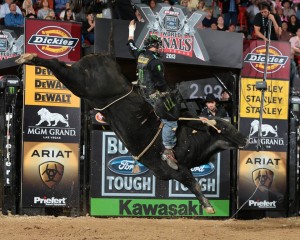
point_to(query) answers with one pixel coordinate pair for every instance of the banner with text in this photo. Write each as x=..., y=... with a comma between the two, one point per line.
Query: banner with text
x=142, y=194
x=51, y=120
x=262, y=169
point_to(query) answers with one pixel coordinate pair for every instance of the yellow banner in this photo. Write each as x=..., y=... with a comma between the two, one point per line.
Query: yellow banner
x=276, y=99
x=43, y=89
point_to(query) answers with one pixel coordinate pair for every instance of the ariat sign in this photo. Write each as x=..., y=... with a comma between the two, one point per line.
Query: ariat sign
x=257, y=59
x=53, y=41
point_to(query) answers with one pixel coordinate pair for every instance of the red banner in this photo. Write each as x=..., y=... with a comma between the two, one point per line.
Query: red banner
x=53, y=39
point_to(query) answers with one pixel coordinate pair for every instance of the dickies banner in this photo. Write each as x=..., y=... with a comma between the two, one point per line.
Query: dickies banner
x=52, y=122
x=52, y=39
x=116, y=191
x=262, y=168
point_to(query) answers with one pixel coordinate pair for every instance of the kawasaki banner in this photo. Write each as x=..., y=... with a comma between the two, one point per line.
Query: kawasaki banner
x=263, y=171
x=116, y=191
x=51, y=123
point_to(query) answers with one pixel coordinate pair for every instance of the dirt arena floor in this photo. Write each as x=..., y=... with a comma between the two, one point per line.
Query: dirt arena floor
x=88, y=228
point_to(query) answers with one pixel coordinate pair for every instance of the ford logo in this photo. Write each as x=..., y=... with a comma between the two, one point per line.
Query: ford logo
x=203, y=170
x=123, y=165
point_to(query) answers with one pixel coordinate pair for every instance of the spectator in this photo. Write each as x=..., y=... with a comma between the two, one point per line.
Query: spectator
x=230, y=10
x=279, y=11
x=28, y=7
x=152, y=4
x=287, y=10
x=220, y=24
x=51, y=15
x=213, y=26
x=63, y=12
x=252, y=10
x=293, y=24
x=298, y=11
x=295, y=43
x=285, y=33
x=231, y=28
x=4, y=9
x=262, y=21
x=13, y=19
x=295, y=53
x=44, y=11
x=211, y=109
x=192, y=5
x=69, y=15
x=184, y=3
x=201, y=5
x=88, y=28
x=59, y=6
x=209, y=19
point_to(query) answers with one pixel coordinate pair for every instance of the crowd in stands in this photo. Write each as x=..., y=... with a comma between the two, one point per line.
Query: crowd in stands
x=222, y=15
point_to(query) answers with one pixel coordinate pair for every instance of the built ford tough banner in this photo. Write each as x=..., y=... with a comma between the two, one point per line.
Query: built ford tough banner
x=51, y=124
x=116, y=191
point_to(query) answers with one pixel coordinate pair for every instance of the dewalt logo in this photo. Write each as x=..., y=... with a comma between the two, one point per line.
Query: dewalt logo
x=53, y=41
x=257, y=59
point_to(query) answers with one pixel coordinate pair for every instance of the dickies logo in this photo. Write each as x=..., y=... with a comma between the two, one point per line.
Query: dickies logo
x=53, y=41
x=257, y=59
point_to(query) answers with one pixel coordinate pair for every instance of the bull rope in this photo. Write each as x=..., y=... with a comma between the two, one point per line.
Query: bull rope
x=247, y=199
x=207, y=122
x=136, y=158
x=101, y=109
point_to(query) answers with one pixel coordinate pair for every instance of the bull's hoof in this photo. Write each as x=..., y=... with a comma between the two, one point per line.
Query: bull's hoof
x=210, y=210
x=25, y=58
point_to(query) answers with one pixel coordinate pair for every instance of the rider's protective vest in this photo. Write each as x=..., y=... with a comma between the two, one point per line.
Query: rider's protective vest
x=144, y=74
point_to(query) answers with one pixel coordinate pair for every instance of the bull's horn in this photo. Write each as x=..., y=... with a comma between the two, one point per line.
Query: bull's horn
x=211, y=122
x=25, y=58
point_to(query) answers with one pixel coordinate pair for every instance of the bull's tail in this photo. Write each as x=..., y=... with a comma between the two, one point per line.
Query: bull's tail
x=67, y=116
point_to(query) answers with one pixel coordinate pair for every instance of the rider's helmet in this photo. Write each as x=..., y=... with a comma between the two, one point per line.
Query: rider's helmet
x=153, y=41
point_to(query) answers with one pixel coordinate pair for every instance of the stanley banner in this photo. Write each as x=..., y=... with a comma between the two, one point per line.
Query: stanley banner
x=264, y=174
x=52, y=122
x=275, y=101
x=262, y=169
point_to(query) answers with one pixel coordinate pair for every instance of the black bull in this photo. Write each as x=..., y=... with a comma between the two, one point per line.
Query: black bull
x=98, y=80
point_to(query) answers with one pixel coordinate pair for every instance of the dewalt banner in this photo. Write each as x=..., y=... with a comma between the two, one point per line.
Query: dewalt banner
x=43, y=88
x=51, y=119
